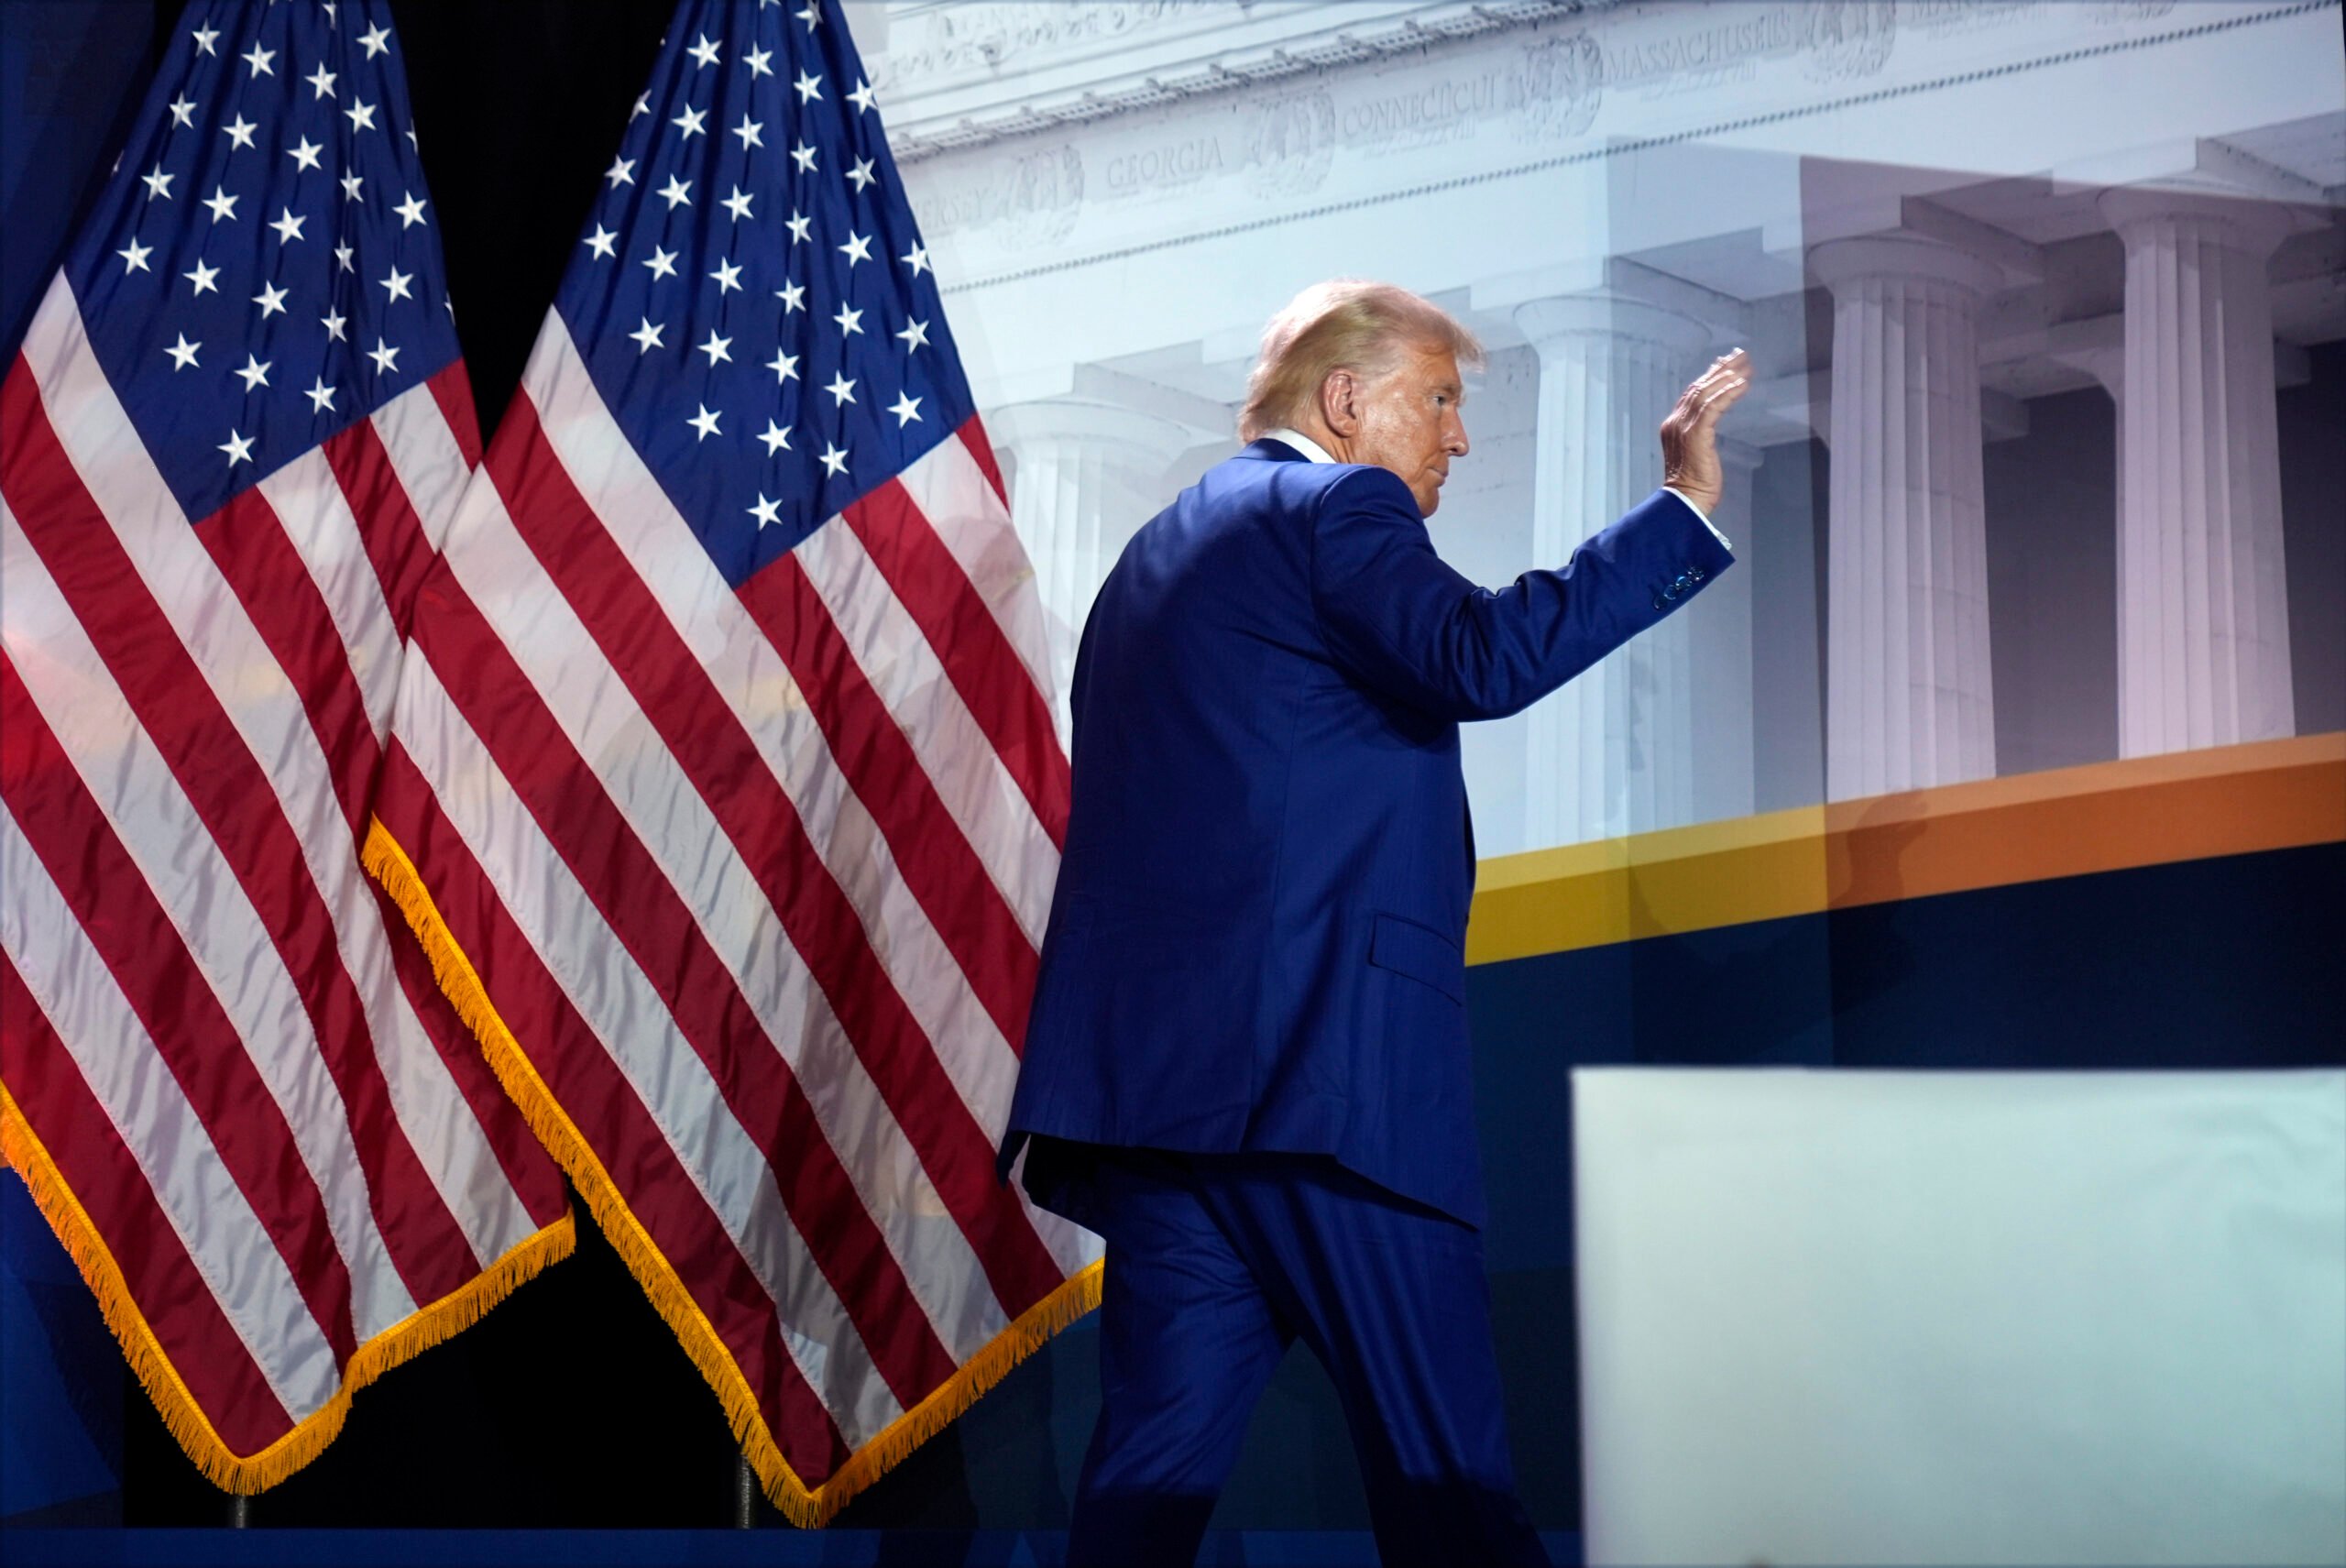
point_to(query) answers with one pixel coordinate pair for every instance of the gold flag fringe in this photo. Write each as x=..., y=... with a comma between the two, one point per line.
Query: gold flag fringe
x=221, y=1465
x=809, y=1507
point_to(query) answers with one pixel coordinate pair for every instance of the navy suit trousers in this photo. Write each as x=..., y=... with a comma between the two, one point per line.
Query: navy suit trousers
x=1216, y=1264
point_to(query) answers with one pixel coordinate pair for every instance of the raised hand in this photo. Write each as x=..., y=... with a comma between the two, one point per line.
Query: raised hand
x=1689, y=448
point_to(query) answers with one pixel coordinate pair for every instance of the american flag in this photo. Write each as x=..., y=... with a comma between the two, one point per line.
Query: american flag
x=724, y=777
x=231, y=436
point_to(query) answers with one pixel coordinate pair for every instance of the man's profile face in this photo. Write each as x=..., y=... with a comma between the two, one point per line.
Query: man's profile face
x=1409, y=423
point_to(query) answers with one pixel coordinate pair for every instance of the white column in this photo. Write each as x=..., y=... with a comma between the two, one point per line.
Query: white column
x=1613, y=751
x=2203, y=611
x=1908, y=696
x=1085, y=478
x=1718, y=629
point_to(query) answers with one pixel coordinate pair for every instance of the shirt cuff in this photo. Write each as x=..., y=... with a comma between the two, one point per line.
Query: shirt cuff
x=1725, y=543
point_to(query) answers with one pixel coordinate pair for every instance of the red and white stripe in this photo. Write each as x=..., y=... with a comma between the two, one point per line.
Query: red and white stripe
x=203, y=988
x=757, y=879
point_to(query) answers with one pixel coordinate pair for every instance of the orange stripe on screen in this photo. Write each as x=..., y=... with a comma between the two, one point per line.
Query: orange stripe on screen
x=2143, y=811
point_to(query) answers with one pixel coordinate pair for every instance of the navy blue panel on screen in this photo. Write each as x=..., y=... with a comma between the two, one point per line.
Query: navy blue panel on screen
x=1758, y=994
x=61, y=1372
x=2221, y=963
x=261, y=271
x=752, y=272
x=71, y=81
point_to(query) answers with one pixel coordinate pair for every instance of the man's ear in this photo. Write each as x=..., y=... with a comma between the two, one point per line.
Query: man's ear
x=1340, y=402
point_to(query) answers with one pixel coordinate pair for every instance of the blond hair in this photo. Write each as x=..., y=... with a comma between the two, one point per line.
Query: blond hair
x=1344, y=324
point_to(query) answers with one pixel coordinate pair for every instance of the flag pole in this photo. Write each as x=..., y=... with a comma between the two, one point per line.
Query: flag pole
x=745, y=1493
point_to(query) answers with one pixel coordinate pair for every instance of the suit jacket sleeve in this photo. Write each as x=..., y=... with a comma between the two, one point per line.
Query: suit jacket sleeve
x=1400, y=621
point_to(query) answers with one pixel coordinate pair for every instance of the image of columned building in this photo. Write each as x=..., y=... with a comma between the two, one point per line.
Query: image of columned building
x=2047, y=304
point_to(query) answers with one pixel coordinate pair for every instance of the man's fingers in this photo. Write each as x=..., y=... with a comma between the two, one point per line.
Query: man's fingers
x=1729, y=371
x=1700, y=410
x=1721, y=386
x=1732, y=363
x=1721, y=398
x=1732, y=369
x=1689, y=436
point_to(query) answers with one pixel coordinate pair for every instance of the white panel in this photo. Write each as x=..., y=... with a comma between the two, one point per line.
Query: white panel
x=1975, y=1317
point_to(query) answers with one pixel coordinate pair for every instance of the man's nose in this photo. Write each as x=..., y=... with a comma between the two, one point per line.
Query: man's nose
x=1454, y=439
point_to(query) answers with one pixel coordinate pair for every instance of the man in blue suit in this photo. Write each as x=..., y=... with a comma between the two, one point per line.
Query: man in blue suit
x=1247, y=1064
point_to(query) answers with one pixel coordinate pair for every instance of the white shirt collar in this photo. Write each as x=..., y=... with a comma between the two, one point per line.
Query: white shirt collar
x=1300, y=442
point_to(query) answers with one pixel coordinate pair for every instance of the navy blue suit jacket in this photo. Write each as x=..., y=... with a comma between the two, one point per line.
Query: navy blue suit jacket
x=1257, y=938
